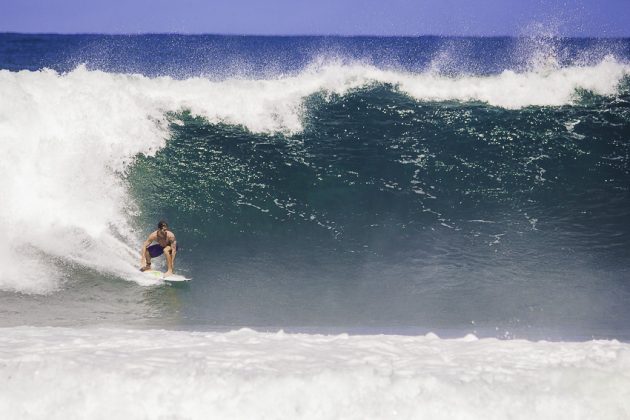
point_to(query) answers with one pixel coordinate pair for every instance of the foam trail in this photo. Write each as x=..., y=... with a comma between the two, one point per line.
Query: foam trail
x=65, y=140
x=99, y=373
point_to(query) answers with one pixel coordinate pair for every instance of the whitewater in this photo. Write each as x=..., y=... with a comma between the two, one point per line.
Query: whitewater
x=52, y=373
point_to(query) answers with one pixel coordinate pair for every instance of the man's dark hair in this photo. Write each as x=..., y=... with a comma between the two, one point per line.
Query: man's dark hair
x=161, y=224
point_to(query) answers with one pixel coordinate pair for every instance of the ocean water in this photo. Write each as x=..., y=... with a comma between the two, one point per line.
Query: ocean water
x=394, y=189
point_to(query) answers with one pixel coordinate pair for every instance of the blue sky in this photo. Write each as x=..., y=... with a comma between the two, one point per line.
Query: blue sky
x=321, y=17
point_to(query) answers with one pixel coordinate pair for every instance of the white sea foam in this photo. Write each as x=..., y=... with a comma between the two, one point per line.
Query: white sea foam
x=517, y=90
x=66, y=138
x=52, y=373
x=63, y=138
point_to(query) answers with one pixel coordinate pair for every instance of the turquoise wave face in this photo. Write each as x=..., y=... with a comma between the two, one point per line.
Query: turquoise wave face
x=376, y=163
x=390, y=211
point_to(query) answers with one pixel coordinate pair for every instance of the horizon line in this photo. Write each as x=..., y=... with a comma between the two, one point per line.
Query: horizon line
x=332, y=35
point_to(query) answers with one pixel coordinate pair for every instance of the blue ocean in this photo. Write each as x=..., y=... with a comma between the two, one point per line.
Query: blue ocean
x=319, y=183
x=375, y=228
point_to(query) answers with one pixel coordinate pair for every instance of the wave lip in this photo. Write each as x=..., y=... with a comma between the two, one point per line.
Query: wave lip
x=512, y=90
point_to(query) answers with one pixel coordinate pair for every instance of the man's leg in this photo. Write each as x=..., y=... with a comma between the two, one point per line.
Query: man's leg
x=169, y=260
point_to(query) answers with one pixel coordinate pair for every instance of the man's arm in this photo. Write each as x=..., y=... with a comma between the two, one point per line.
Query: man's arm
x=143, y=258
x=173, y=248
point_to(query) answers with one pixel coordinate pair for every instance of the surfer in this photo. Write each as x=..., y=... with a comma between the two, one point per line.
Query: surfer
x=166, y=244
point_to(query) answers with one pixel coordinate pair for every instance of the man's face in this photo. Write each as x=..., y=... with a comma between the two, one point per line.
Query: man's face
x=163, y=229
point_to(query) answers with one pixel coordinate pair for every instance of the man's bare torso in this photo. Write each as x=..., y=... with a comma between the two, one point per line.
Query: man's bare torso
x=164, y=240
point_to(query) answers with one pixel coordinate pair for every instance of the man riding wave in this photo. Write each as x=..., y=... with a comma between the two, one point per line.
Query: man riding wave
x=166, y=244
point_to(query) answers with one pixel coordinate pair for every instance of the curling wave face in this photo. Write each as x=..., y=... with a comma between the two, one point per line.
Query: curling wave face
x=68, y=137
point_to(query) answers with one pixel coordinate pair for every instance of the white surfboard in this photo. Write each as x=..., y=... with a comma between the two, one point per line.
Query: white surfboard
x=176, y=278
x=159, y=275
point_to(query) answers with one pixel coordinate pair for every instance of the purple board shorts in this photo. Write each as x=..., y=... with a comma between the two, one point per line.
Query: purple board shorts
x=156, y=250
